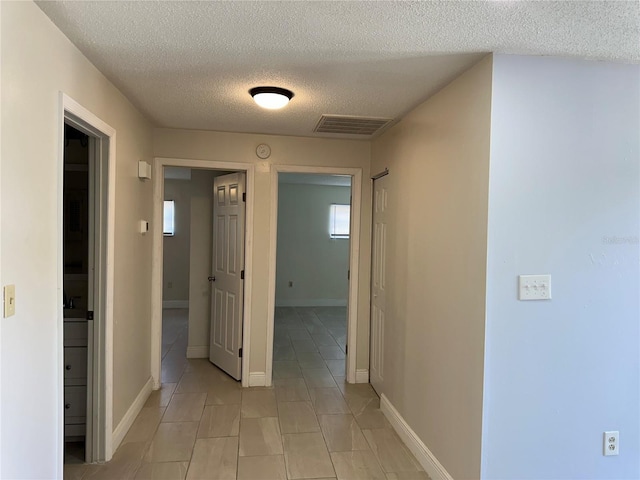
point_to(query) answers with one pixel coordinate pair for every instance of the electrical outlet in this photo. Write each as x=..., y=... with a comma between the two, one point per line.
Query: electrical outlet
x=534, y=287
x=611, y=443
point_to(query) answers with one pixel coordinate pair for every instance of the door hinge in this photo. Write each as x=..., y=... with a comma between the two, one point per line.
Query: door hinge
x=241, y=274
x=346, y=349
x=240, y=352
x=348, y=274
x=244, y=196
x=89, y=315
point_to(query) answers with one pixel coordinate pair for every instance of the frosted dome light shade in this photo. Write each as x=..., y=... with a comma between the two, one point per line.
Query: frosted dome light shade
x=271, y=101
x=271, y=97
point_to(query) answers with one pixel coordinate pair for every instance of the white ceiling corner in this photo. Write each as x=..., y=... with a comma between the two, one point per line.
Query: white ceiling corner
x=190, y=64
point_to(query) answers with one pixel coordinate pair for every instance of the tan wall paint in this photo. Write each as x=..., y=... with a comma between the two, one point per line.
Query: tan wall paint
x=38, y=62
x=175, y=249
x=235, y=147
x=438, y=157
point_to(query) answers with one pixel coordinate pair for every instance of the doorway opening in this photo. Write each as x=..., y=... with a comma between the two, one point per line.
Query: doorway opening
x=312, y=270
x=303, y=313
x=77, y=293
x=85, y=284
x=203, y=246
x=200, y=276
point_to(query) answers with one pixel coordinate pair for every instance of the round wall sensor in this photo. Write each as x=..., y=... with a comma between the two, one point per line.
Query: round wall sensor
x=263, y=151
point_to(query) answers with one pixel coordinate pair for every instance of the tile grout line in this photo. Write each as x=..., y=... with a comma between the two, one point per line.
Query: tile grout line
x=344, y=393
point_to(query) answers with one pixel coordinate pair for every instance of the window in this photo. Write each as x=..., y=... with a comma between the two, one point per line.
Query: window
x=339, y=217
x=169, y=227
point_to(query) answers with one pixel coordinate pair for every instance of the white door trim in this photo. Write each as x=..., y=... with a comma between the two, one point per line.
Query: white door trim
x=69, y=106
x=157, y=258
x=354, y=259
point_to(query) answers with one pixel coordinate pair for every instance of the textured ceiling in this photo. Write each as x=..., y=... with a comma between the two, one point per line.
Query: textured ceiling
x=189, y=64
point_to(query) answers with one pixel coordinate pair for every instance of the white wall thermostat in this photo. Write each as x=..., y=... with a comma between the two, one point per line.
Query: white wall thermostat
x=263, y=151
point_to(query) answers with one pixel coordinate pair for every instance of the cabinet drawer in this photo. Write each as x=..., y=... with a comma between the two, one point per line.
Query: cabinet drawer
x=75, y=402
x=79, y=430
x=75, y=363
x=75, y=334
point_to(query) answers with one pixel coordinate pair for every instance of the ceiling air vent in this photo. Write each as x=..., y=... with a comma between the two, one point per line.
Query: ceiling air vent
x=347, y=125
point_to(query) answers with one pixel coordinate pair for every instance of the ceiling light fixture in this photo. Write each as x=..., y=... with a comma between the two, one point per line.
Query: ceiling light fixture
x=271, y=97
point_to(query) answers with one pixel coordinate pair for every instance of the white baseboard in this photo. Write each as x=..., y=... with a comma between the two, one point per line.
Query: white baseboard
x=318, y=302
x=257, y=379
x=201, y=351
x=125, y=424
x=175, y=304
x=362, y=375
x=429, y=462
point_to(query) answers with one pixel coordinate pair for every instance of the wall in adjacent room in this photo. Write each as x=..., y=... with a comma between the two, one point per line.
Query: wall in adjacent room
x=175, y=275
x=200, y=260
x=307, y=256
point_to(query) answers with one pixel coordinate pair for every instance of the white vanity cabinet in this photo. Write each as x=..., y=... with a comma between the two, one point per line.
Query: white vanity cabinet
x=75, y=377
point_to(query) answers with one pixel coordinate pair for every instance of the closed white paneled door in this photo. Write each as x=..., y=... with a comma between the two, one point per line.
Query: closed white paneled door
x=227, y=276
x=378, y=281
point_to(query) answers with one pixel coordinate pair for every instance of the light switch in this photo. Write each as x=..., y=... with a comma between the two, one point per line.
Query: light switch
x=143, y=226
x=534, y=287
x=9, y=300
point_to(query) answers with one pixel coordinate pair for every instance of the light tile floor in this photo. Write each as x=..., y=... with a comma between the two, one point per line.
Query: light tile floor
x=201, y=425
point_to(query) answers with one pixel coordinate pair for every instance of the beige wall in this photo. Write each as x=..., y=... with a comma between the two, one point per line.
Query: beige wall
x=234, y=147
x=39, y=62
x=175, y=249
x=438, y=157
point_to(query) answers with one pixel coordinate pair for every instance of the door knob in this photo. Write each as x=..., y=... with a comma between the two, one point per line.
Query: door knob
x=68, y=367
x=67, y=406
x=212, y=279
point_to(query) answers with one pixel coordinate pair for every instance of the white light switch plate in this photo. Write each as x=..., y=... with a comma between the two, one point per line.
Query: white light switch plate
x=534, y=287
x=9, y=300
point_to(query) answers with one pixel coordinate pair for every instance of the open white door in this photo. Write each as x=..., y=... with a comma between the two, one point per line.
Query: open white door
x=227, y=275
x=378, y=282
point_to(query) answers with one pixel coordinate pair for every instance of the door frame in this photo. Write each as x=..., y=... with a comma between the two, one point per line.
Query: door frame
x=100, y=424
x=354, y=260
x=159, y=163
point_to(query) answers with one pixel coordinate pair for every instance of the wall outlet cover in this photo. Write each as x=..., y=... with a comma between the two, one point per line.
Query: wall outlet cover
x=611, y=443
